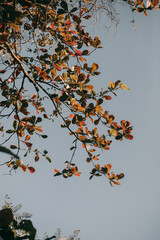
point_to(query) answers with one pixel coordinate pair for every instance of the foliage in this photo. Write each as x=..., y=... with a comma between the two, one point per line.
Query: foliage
x=44, y=50
x=143, y=6
x=17, y=226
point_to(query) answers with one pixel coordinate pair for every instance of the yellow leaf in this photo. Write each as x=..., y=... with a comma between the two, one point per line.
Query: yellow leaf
x=111, y=85
x=14, y=26
x=116, y=183
x=18, y=162
x=113, y=132
x=94, y=67
x=54, y=72
x=123, y=86
x=64, y=65
x=64, y=75
x=74, y=77
x=99, y=109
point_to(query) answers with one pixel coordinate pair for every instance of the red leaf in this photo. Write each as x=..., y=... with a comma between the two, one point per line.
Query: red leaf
x=31, y=169
x=155, y=2
x=2, y=71
x=52, y=25
x=78, y=53
x=68, y=24
x=107, y=97
x=71, y=31
x=130, y=137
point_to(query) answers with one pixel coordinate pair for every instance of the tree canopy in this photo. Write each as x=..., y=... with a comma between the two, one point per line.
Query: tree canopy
x=44, y=50
x=15, y=225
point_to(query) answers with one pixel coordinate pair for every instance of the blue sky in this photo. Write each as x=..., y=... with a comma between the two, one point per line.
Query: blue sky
x=127, y=212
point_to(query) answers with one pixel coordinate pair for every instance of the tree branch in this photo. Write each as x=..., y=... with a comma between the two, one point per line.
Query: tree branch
x=21, y=64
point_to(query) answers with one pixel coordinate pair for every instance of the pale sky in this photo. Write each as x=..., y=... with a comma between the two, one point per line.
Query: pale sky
x=127, y=212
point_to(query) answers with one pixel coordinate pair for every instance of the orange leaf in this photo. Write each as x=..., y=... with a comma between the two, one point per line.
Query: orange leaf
x=107, y=97
x=27, y=138
x=23, y=167
x=52, y=25
x=95, y=158
x=56, y=171
x=82, y=138
x=39, y=129
x=71, y=115
x=68, y=24
x=130, y=137
x=116, y=183
x=155, y=2
x=99, y=109
x=58, y=66
x=28, y=144
x=36, y=157
x=109, y=166
x=82, y=59
x=31, y=169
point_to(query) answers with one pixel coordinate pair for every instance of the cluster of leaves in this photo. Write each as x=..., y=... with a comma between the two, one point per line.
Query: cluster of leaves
x=15, y=225
x=44, y=49
x=105, y=170
x=143, y=6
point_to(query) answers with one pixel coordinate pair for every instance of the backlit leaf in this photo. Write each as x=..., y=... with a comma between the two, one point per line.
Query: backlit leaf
x=31, y=169
x=27, y=138
x=111, y=85
x=23, y=167
x=123, y=86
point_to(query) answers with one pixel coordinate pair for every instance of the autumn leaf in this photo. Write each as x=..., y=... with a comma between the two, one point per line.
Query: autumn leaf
x=95, y=66
x=27, y=138
x=111, y=85
x=81, y=77
x=31, y=169
x=116, y=182
x=23, y=167
x=39, y=129
x=71, y=115
x=58, y=66
x=36, y=157
x=28, y=144
x=123, y=86
x=107, y=97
